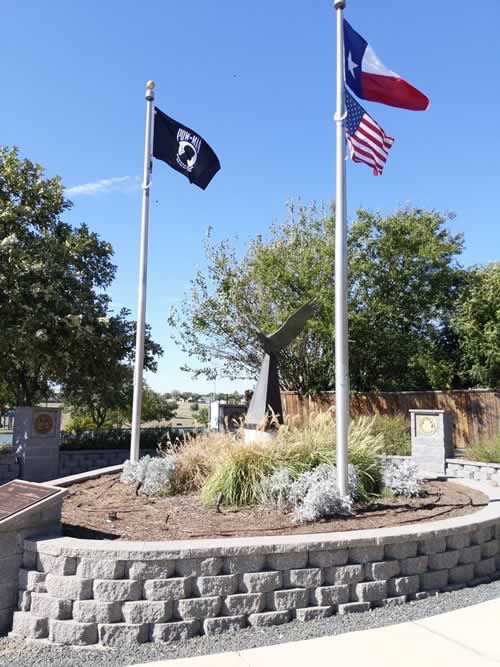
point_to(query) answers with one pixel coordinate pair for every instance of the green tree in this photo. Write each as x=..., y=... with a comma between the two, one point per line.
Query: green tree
x=156, y=406
x=477, y=324
x=404, y=282
x=202, y=416
x=57, y=329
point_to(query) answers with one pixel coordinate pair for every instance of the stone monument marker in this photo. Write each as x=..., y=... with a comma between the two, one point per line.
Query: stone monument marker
x=431, y=441
x=37, y=437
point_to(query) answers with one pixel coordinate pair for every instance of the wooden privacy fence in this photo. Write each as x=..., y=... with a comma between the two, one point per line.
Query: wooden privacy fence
x=476, y=412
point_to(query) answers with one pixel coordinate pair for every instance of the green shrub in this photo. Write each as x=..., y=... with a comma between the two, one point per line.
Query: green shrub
x=395, y=432
x=487, y=451
x=6, y=449
x=119, y=438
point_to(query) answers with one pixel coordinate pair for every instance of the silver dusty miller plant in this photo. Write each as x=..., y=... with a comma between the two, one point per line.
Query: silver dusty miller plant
x=274, y=490
x=401, y=477
x=153, y=473
x=312, y=496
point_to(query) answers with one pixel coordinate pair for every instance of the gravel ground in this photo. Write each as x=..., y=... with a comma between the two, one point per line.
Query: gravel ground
x=37, y=654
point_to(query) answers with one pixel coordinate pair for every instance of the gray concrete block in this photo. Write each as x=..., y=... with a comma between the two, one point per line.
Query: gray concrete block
x=432, y=546
x=482, y=534
x=328, y=596
x=70, y=588
x=434, y=581
x=461, y=574
x=261, y=582
x=313, y=613
x=383, y=570
x=141, y=570
x=470, y=554
x=303, y=578
x=176, y=631
x=417, y=565
x=43, y=605
x=216, y=626
x=444, y=560
x=199, y=567
x=28, y=579
x=400, y=550
x=199, y=608
x=394, y=601
x=345, y=574
x=370, y=591
x=225, y=584
x=353, y=607
x=117, y=590
x=243, y=603
x=366, y=554
x=328, y=558
x=242, y=564
x=489, y=549
x=29, y=627
x=292, y=598
x=458, y=541
x=287, y=561
x=71, y=633
x=98, y=568
x=269, y=618
x=24, y=601
x=485, y=568
x=120, y=634
x=146, y=611
x=167, y=589
x=403, y=586
x=61, y=565
x=93, y=611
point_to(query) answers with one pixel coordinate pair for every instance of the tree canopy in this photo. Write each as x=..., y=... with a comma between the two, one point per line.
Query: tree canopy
x=58, y=330
x=477, y=324
x=404, y=280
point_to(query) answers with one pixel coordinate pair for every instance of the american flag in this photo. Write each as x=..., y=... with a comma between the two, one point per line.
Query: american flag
x=368, y=142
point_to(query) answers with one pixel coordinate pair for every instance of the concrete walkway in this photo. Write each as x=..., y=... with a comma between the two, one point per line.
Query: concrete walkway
x=467, y=637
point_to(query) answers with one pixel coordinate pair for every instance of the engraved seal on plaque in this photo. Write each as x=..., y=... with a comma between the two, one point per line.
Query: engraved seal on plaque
x=427, y=424
x=43, y=423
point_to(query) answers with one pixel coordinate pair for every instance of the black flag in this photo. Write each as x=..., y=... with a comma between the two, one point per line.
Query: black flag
x=184, y=150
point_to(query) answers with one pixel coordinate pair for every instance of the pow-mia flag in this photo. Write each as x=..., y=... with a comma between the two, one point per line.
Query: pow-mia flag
x=184, y=150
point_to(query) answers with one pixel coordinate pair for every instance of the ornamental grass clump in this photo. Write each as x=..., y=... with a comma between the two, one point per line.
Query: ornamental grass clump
x=487, y=451
x=401, y=478
x=154, y=474
x=395, y=432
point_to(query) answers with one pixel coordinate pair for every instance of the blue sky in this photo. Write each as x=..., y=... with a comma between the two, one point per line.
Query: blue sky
x=257, y=80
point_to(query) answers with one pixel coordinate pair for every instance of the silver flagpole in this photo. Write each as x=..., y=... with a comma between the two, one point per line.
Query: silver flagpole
x=341, y=349
x=143, y=277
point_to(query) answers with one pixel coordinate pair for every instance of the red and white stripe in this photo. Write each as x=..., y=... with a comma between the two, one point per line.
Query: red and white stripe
x=370, y=144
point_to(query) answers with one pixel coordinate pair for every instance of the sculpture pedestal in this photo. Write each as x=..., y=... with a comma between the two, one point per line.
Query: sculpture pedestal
x=253, y=435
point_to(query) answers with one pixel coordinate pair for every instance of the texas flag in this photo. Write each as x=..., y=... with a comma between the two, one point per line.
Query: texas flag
x=369, y=79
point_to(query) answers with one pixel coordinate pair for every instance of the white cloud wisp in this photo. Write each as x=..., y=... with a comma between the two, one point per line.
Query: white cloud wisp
x=122, y=183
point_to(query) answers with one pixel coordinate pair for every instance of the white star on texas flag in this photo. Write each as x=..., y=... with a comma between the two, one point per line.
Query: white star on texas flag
x=351, y=65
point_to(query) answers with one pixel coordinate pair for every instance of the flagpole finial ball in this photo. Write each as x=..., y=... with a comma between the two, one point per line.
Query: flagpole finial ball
x=150, y=85
x=339, y=4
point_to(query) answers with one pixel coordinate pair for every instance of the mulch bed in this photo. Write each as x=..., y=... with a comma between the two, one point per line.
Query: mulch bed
x=104, y=508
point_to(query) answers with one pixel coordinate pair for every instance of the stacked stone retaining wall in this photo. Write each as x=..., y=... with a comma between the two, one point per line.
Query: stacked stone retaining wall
x=74, y=462
x=84, y=592
x=9, y=468
x=482, y=472
x=45, y=520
